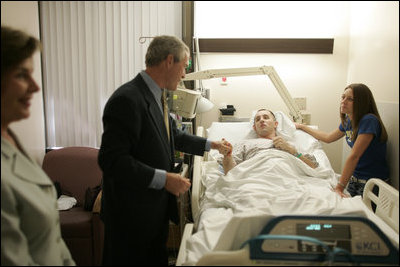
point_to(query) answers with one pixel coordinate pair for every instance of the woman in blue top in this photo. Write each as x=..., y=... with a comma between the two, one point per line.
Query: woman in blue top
x=365, y=134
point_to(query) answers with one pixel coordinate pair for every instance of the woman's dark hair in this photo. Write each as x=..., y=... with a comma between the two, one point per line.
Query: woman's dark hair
x=16, y=46
x=363, y=104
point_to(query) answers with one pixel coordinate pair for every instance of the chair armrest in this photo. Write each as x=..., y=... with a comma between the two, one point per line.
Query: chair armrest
x=97, y=203
x=98, y=239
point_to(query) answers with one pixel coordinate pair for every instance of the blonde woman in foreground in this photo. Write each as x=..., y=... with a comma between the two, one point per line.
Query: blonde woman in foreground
x=30, y=225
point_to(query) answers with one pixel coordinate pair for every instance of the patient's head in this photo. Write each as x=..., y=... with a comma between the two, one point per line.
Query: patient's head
x=265, y=123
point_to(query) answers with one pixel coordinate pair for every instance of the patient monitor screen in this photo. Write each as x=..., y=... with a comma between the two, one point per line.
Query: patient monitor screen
x=324, y=230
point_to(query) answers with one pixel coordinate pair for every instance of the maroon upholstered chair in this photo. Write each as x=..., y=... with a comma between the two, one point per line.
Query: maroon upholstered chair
x=76, y=169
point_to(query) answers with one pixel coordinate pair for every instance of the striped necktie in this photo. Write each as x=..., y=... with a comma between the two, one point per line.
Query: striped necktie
x=165, y=107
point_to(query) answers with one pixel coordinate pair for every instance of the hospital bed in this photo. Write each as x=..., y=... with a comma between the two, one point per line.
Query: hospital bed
x=292, y=219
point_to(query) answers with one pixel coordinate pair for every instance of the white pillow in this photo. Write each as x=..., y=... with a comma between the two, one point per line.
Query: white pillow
x=237, y=131
x=231, y=131
x=305, y=143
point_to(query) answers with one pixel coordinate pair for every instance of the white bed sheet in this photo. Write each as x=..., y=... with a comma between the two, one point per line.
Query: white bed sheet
x=270, y=184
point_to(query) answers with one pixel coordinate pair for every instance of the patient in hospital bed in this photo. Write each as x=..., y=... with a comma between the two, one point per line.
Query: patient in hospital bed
x=265, y=183
x=270, y=175
x=264, y=125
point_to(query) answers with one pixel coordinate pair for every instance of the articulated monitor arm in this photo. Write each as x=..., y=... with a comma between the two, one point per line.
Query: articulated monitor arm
x=264, y=70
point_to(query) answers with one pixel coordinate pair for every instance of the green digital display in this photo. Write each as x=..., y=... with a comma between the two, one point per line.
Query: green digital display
x=324, y=230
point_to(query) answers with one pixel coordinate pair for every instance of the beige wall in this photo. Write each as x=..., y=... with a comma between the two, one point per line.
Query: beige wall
x=24, y=15
x=365, y=50
x=318, y=77
x=374, y=60
x=374, y=48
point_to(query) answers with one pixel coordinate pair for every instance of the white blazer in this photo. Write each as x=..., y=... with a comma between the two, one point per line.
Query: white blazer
x=30, y=227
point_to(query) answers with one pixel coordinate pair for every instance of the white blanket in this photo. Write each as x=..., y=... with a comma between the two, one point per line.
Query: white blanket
x=271, y=183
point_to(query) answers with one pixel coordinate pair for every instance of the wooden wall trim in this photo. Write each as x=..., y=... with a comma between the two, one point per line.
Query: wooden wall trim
x=311, y=46
x=187, y=35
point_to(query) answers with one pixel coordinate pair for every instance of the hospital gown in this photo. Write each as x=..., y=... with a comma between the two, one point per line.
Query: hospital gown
x=246, y=149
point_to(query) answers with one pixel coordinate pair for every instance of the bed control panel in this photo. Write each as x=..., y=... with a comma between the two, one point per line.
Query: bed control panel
x=310, y=238
x=354, y=236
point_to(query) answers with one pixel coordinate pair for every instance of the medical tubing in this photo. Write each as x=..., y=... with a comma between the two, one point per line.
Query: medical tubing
x=346, y=253
x=330, y=254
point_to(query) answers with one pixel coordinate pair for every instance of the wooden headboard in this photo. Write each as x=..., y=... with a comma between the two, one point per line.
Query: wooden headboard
x=389, y=112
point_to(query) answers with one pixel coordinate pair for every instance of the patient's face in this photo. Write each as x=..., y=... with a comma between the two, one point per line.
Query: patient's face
x=264, y=124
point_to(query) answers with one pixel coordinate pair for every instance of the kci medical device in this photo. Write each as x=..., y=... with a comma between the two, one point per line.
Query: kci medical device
x=312, y=239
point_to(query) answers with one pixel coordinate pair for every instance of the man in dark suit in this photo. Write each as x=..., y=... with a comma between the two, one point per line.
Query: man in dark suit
x=137, y=159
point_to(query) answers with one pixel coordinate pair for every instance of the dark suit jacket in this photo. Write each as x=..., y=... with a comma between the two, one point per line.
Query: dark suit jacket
x=134, y=143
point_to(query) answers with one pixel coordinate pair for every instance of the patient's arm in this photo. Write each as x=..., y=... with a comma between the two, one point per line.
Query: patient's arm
x=222, y=146
x=228, y=163
x=282, y=144
x=310, y=160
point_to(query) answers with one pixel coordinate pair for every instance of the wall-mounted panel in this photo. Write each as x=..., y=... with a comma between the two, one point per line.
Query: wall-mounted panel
x=268, y=45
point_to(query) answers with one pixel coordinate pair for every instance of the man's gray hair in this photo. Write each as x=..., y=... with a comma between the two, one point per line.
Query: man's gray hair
x=162, y=46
